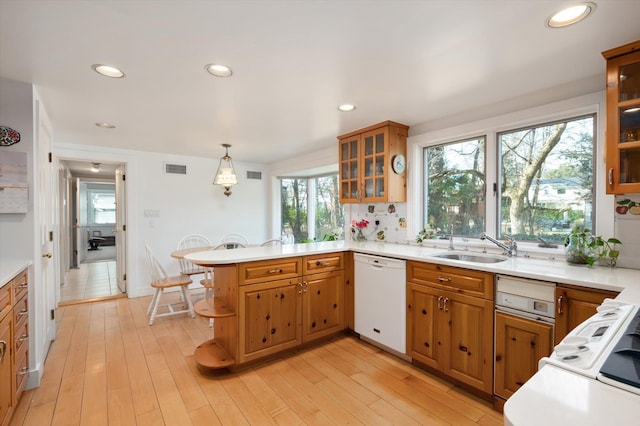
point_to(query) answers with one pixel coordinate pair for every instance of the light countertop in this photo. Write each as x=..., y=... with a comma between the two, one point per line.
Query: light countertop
x=9, y=268
x=627, y=281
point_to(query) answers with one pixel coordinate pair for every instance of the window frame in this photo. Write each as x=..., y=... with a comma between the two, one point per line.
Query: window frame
x=593, y=103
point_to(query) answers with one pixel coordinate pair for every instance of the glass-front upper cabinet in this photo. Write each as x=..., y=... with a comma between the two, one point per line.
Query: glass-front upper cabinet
x=623, y=119
x=366, y=158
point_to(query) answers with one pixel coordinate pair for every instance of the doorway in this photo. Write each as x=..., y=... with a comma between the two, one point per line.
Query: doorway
x=92, y=235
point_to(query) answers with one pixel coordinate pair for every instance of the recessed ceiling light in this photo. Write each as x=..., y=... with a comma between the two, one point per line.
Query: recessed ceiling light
x=346, y=107
x=107, y=71
x=105, y=125
x=218, y=70
x=570, y=15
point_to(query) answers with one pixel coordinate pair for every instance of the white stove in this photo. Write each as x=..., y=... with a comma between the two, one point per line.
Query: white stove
x=602, y=348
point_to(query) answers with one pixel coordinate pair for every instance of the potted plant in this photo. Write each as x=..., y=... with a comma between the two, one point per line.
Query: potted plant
x=584, y=248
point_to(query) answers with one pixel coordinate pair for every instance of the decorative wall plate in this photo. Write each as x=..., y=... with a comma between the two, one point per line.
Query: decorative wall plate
x=8, y=136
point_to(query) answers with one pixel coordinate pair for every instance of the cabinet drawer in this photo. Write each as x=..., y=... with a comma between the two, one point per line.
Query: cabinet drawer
x=323, y=263
x=21, y=310
x=22, y=369
x=464, y=281
x=20, y=285
x=269, y=270
x=5, y=300
x=21, y=334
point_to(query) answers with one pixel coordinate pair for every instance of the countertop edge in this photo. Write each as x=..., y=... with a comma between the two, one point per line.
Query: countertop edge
x=10, y=268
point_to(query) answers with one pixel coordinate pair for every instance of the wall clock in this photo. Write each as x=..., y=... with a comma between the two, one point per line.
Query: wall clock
x=398, y=164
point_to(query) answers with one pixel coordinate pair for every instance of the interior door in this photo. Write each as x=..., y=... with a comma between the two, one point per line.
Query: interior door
x=75, y=228
x=46, y=234
x=121, y=229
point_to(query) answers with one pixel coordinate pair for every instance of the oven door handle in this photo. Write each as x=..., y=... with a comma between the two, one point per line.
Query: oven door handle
x=525, y=315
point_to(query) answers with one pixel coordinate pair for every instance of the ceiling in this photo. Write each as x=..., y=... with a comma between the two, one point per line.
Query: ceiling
x=294, y=62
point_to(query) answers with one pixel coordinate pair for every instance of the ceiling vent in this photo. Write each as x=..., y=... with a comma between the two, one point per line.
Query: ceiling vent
x=175, y=169
x=254, y=175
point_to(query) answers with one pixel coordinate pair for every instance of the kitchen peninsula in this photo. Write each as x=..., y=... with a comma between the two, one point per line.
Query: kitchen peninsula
x=240, y=336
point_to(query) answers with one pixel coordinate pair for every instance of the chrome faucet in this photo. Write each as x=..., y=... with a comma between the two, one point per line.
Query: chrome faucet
x=511, y=249
x=451, y=237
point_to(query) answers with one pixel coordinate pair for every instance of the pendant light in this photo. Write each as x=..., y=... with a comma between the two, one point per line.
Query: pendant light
x=226, y=174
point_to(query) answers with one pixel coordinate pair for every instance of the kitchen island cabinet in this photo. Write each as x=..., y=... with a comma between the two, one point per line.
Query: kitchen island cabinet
x=450, y=322
x=265, y=307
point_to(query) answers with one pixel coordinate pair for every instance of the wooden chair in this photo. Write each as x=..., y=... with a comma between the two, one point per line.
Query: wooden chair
x=187, y=242
x=272, y=242
x=160, y=281
x=230, y=239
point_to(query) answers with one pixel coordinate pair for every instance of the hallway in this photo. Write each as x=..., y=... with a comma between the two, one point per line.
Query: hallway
x=92, y=280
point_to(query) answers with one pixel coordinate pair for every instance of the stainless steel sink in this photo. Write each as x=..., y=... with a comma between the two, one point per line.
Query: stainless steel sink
x=472, y=257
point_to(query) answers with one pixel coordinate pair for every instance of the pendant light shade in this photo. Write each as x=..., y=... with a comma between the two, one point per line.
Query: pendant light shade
x=226, y=174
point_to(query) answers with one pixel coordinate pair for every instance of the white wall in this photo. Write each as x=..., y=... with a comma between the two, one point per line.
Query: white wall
x=163, y=208
x=16, y=111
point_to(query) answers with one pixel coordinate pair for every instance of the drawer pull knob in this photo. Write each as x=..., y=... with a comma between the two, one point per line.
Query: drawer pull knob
x=274, y=271
x=318, y=263
x=24, y=337
x=24, y=370
x=23, y=312
x=444, y=279
x=25, y=285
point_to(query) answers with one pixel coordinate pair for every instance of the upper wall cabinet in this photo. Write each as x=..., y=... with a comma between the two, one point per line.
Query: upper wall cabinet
x=623, y=119
x=373, y=164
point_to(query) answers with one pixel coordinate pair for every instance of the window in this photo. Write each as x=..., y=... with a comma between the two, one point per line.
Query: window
x=310, y=208
x=102, y=207
x=547, y=179
x=455, y=186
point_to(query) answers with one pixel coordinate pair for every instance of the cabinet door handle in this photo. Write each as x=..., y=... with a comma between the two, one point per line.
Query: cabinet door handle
x=3, y=348
x=23, y=312
x=25, y=285
x=305, y=286
x=440, y=302
x=300, y=291
x=611, y=177
x=446, y=308
x=24, y=337
x=559, y=305
x=444, y=279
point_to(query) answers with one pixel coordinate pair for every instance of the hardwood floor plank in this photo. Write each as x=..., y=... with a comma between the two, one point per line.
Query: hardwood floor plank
x=391, y=413
x=204, y=416
x=94, y=399
x=39, y=415
x=246, y=401
x=349, y=402
x=69, y=401
x=224, y=407
x=120, y=405
x=174, y=412
x=150, y=418
x=268, y=399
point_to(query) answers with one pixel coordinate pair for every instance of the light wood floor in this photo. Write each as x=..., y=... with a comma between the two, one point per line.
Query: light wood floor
x=107, y=366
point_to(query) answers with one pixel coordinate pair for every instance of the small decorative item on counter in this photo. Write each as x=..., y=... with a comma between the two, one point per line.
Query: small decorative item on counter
x=584, y=248
x=425, y=233
x=357, y=226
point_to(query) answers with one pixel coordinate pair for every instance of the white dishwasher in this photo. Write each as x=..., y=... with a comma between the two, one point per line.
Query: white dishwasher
x=380, y=300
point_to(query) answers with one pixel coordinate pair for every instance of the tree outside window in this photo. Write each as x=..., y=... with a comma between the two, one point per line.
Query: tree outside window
x=546, y=179
x=454, y=187
x=310, y=208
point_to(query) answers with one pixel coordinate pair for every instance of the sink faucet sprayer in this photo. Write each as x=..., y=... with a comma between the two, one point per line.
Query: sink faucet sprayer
x=511, y=248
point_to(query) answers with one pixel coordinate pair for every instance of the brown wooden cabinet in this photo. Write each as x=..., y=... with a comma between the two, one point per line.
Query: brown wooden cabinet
x=270, y=318
x=623, y=119
x=574, y=305
x=14, y=343
x=365, y=159
x=519, y=345
x=265, y=307
x=450, y=322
